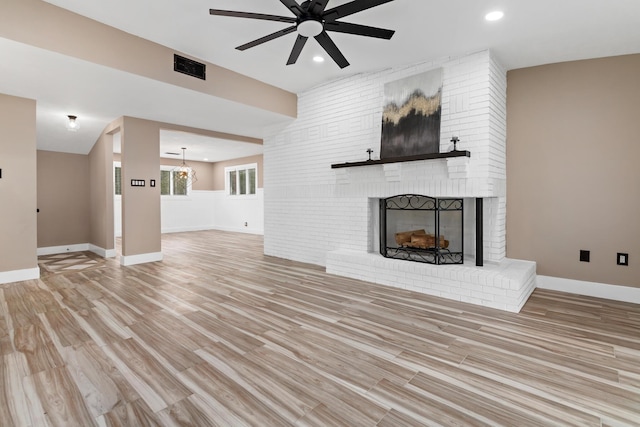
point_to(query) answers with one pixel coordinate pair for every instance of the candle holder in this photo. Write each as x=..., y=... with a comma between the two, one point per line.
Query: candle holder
x=455, y=141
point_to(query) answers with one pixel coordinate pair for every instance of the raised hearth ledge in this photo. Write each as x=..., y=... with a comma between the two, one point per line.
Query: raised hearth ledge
x=431, y=156
x=505, y=285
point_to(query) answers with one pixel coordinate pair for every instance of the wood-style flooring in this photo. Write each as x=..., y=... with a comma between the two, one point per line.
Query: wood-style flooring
x=220, y=335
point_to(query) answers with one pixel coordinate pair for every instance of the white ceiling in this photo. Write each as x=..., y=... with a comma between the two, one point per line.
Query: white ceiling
x=531, y=33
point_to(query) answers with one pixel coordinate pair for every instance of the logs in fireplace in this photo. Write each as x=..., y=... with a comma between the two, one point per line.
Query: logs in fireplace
x=422, y=229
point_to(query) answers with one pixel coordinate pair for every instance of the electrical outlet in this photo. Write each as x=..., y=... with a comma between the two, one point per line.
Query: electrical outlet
x=622, y=259
x=585, y=255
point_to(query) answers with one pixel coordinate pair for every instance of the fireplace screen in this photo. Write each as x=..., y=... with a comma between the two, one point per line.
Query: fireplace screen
x=423, y=229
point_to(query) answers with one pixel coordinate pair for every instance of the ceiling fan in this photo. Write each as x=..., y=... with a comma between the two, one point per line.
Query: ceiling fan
x=312, y=20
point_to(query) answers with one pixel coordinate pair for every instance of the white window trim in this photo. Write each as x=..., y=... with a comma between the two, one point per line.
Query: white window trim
x=227, y=185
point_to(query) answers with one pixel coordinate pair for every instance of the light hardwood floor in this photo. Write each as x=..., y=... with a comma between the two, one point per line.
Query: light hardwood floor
x=218, y=334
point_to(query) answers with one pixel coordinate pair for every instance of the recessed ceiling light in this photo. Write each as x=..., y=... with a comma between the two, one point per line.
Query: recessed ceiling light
x=494, y=16
x=318, y=58
x=205, y=159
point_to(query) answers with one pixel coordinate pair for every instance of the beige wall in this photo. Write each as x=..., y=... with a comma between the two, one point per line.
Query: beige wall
x=18, y=191
x=101, y=189
x=218, y=170
x=44, y=25
x=63, y=199
x=140, y=205
x=573, y=169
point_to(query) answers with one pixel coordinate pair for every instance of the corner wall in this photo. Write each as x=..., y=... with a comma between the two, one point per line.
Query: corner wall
x=18, y=190
x=63, y=199
x=102, y=237
x=572, y=164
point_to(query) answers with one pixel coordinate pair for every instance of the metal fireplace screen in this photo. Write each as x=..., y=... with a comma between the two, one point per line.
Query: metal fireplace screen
x=423, y=229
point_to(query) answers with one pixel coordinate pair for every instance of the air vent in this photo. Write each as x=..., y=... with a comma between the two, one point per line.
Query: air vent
x=172, y=154
x=190, y=67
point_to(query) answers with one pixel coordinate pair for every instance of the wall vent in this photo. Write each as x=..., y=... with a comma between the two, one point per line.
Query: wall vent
x=189, y=67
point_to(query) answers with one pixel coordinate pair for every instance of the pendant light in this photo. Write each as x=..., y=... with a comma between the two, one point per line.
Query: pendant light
x=184, y=171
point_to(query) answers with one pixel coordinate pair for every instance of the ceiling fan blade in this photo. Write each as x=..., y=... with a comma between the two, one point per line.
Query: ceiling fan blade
x=351, y=8
x=316, y=7
x=218, y=12
x=267, y=38
x=360, y=30
x=297, y=48
x=331, y=48
x=293, y=6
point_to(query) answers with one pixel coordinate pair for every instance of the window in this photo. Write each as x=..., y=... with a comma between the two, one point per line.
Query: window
x=117, y=176
x=179, y=184
x=241, y=180
x=171, y=184
x=165, y=182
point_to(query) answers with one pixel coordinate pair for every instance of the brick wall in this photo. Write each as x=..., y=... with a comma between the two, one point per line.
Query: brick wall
x=311, y=209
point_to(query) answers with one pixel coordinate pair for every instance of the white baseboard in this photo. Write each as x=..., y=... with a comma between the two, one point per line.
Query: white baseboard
x=53, y=250
x=213, y=227
x=180, y=229
x=19, y=275
x=240, y=230
x=184, y=229
x=592, y=289
x=140, y=258
x=104, y=253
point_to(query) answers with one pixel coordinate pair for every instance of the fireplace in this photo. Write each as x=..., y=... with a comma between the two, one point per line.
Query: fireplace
x=422, y=229
x=343, y=203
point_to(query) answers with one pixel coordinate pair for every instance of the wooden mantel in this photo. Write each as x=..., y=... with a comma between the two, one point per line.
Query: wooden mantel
x=430, y=156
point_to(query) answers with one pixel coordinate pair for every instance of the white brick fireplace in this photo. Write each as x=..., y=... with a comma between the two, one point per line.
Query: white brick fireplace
x=326, y=216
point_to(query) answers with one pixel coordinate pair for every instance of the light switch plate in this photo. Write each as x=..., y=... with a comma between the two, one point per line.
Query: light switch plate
x=622, y=259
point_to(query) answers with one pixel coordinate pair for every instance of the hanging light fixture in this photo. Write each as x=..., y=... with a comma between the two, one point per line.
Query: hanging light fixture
x=184, y=171
x=72, y=124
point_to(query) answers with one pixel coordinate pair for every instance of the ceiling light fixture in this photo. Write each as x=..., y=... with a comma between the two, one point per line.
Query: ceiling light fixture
x=318, y=58
x=494, y=16
x=72, y=123
x=309, y=28
x=184, y=171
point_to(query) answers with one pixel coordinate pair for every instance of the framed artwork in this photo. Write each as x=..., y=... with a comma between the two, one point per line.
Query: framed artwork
x=411, y=116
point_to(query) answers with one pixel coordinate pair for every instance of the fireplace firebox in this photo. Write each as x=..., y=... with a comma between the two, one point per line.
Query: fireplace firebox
x=422, y=229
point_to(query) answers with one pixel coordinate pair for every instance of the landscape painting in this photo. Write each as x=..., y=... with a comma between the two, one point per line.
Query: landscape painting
x=411, y=116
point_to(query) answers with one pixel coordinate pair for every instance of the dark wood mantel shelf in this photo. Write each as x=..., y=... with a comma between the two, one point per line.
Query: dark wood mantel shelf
x=404, y=159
